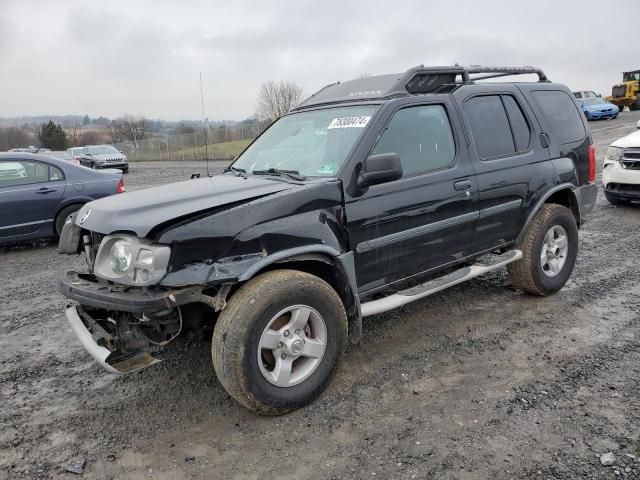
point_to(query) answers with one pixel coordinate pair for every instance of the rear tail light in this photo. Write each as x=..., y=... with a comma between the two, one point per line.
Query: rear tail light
x=592, y=163
x=121, y=188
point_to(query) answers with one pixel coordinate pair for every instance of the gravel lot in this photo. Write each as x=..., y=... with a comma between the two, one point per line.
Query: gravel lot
x=479, y=381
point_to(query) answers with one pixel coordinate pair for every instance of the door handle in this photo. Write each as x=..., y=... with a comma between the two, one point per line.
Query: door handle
x=462, y=185
x=45, y=190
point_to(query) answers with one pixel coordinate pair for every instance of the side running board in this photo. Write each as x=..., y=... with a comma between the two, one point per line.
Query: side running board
x=433, y=286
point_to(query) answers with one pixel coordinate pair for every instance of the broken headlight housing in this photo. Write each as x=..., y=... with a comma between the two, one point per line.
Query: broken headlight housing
x=131, y=260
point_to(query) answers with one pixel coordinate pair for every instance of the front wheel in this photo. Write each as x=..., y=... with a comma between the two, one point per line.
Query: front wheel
x=549, y=249
x=278, y=342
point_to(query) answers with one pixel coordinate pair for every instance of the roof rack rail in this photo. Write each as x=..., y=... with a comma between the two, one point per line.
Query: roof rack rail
x=415, y=81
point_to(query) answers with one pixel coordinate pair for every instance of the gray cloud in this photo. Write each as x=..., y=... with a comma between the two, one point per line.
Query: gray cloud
x=145, y=57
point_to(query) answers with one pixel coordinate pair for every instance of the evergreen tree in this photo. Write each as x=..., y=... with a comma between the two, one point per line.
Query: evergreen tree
x=53, y=136
x=86, y=120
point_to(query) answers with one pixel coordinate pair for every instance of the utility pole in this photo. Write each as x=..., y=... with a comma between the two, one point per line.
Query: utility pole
x=206, y=143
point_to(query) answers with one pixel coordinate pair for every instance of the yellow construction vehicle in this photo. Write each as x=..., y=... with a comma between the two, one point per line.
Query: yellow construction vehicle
x=627, y=93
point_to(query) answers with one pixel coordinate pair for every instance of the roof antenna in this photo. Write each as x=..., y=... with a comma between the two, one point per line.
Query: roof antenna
x=204, y=127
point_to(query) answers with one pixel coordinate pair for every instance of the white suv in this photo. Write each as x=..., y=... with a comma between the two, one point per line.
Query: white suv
x=621, y=171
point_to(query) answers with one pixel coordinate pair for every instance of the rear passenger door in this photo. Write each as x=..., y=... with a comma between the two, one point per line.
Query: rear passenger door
x=427, y=218
x=30, y=192
x=509, y=160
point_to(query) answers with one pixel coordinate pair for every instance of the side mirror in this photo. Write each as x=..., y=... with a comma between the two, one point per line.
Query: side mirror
x=382, y=168
x=89, y=154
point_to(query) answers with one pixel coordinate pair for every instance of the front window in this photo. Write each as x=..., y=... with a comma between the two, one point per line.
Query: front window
x=104, y=150
x=629, y=76
x=313, y=144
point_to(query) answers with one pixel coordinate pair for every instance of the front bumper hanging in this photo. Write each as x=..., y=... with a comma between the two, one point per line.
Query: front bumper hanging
x=94, y=339
x=86, y=290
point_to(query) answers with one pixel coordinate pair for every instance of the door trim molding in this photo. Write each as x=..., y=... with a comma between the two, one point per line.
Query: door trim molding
x=392, y=238
x=502, y=207
x=415, y=232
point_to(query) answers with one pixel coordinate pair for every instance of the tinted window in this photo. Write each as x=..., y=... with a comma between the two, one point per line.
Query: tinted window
x=13, y=173
x=489, y=126
x=421, y=136
x=519, y=126
x=561, y=114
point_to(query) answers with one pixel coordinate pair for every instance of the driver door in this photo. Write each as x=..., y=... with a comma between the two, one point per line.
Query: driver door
x=428, y=218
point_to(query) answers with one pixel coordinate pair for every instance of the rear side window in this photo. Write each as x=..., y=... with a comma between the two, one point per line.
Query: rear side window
x=561, y=114
x=421, y=136
x=489, y=126
x=519, y=126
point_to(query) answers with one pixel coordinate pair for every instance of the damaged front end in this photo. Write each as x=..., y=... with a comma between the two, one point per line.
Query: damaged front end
x=118, y=325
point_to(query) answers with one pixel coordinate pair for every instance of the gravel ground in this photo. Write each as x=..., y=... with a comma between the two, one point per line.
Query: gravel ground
x=479, y=381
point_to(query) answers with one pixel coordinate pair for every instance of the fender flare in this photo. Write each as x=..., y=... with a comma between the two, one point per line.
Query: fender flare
x=344, y=261
x=563, y=186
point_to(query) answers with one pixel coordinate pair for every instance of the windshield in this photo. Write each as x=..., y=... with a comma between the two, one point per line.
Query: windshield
x=593, y=101
x=313, y=144
x=104, y=150
x=628, y=76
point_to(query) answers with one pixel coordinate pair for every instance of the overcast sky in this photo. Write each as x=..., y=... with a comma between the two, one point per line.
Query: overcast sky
x=144, y=57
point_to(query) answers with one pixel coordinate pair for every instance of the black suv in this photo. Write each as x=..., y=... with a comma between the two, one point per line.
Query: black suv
x=371, y=194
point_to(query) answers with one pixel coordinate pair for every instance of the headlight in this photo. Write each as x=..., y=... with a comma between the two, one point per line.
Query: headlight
x=131, y=260
x=120, y=257
x=614, y=154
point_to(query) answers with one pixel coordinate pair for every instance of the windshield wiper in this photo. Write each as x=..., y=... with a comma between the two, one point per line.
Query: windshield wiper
x=276, y=171
x=240, y=172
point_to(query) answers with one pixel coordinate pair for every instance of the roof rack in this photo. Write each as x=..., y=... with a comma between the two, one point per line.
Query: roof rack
x=415, y=81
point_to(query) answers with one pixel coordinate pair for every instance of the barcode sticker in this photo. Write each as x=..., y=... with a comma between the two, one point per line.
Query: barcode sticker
x=349, y=122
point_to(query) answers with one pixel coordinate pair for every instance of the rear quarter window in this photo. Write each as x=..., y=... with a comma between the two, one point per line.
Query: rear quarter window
x=561, y=115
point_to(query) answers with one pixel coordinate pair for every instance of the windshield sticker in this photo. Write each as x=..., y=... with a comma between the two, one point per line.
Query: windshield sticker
x=349, y=122
x=328, y=168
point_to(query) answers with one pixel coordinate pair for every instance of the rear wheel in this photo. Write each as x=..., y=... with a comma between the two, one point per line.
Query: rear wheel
x=62, y=216
x=278, y=342
x=94, y=166
x=549, y=250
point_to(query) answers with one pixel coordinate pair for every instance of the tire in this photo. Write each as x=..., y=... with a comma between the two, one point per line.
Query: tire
x=529, y=273
x=633, y=107
x=94, y=166
x=63, y=214
x=614, y=199
x=125, y=170
x=244, y=323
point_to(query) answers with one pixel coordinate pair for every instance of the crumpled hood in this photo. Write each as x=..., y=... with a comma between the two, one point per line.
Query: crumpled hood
x=141, y=211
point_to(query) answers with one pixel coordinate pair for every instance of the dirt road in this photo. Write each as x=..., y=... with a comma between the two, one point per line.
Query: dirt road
x=479, y=381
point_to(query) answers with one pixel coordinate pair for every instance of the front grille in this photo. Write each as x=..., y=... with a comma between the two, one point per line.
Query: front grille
x=619, y=91
x=631, y=159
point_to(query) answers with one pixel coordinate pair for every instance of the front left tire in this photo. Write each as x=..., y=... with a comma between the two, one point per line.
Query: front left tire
x=278, y=342
x=62, y=216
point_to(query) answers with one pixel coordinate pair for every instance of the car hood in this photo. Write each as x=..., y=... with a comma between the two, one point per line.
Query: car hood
x=141, y=211
x=630, y=141
x=599, y=107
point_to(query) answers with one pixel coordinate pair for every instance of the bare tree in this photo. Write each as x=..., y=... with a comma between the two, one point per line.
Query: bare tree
x=73, y=133
x=276, y=99
x=128, y=127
